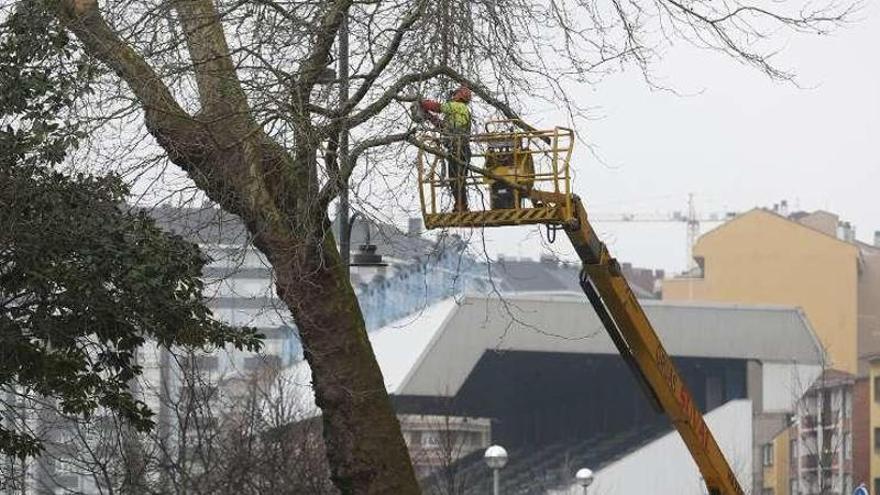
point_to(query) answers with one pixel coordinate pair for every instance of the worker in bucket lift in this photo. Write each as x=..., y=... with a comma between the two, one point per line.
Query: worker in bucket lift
x=456, y=125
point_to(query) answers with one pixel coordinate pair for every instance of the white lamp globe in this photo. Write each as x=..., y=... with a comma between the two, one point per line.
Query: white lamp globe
x=496, y=457
x=584, y=477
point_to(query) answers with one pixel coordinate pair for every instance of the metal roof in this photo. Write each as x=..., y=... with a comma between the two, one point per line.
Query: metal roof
x=433, y=352
x=567, y=323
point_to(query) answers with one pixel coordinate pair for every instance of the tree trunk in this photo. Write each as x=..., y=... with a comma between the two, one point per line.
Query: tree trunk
x=362, y=436
x=275, y=192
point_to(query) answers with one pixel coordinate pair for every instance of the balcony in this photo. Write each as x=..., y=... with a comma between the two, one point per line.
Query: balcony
x=809, y=422
x=811, y=461
x=830, y=419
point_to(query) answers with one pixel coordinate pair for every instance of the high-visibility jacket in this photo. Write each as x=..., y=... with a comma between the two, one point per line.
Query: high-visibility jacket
x=456, y=115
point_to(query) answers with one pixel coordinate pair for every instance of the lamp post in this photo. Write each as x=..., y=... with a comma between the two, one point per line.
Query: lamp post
x=496, y=459
x=342, y=156
x=584, y=478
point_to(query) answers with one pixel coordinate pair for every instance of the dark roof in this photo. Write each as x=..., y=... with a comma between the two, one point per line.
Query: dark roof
x=206, y=225
x=535, y=276
x=392, y=241
x=831, y=378
x=547, y=275
x=211, y=225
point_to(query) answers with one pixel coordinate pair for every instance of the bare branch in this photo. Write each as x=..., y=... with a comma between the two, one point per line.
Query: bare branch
x=84, y=19
x=379, y=68
x=219, y=87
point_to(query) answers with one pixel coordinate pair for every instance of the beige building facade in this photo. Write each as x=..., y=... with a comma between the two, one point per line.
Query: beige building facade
x=761, y=257
x=813, y=261
x=776, y=462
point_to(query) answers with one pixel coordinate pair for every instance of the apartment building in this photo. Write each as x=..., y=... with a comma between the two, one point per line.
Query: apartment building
x=813, y=261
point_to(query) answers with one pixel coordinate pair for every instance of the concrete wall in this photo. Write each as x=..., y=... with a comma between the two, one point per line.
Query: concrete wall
x=869, y=302
x=664, y=466
x=785, y=383
x=782, y=384
x=762, y=258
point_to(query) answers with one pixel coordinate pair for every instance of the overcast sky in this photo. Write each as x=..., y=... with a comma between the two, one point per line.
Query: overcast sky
x=739, y=141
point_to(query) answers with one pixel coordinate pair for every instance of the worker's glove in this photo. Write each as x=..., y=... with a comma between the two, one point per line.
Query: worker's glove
x=417, y=113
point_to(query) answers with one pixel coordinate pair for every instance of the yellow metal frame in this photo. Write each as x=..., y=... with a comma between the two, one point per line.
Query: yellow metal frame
x=548, y=189
x=549, y=151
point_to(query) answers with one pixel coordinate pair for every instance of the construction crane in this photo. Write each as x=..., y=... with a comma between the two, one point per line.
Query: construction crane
x=693, y=220
x=525, y=179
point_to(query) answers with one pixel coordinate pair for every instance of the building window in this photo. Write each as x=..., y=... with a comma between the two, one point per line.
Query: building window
x=767, y=454
x=415, y=438
x=876, y=485
x=767, y=491
x=430, y=439
x=265, y=362
x=877, y=440
x=827, y=417
x=793, y=452
x=877, y=389
x=202, y=363
x=847, y=445
x=828, y=440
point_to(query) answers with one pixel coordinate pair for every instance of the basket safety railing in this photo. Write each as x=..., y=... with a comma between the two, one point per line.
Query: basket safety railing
x=514, y=176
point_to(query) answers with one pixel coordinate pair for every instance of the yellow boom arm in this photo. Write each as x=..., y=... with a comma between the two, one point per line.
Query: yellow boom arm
x=635, y=338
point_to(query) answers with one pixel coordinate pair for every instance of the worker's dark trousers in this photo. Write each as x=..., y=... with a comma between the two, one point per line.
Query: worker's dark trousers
x=459, y=151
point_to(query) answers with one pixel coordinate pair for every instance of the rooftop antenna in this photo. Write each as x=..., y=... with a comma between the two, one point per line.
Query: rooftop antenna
x=693, y=232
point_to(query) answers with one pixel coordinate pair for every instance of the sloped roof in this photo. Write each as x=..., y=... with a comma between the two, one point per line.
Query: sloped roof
x=758, y=211
x=433, y=352
x=830, y=378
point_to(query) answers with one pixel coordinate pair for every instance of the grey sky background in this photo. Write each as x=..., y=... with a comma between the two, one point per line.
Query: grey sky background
x=737, y=140
x=731, y=136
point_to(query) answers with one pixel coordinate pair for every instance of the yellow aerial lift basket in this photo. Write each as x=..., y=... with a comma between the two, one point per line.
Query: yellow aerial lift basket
x=521, y=176
x=515, y=177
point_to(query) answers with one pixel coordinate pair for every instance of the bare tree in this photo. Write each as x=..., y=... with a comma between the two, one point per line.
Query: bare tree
x=822, y=433
x=237, y=95
x=251, y=434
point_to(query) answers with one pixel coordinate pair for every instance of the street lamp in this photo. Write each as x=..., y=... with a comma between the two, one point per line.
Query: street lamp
x=584, y=477
x=496, y=459
x=366, y=254
x=342, y=152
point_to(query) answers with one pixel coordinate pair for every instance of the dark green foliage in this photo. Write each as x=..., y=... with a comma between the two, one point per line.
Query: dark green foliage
x=42, y=73
x=83, y=282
